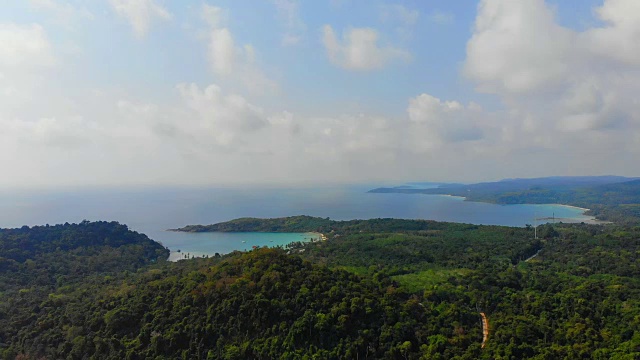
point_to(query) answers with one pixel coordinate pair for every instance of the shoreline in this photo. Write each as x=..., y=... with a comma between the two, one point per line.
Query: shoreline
x=571, y=206
x=208, y=244
x=321, y=236
x=584, y=210
x=455, y=196
x=592, y=220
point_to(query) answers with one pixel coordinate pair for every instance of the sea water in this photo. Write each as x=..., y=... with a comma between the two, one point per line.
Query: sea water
x=208, y=244
x=152, y=211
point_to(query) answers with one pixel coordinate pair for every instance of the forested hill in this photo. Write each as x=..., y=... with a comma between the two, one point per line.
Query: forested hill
x=609, y=198
x=258, y=305
x=300, y=223
x=303, y=223
x=30, y=242
x=43, y=258
x=41, y=265
x=377, y=289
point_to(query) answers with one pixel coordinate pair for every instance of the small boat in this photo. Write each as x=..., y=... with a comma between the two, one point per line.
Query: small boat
x=243, y=241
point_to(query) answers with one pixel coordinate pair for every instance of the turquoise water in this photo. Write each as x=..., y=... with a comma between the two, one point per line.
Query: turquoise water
x=152, y=211
x=207, y=244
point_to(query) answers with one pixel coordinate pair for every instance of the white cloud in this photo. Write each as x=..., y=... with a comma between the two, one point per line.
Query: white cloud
x=55, y=132
x=402, y=18
x=140, y=14
x=203, y=135
x=517, y=47
x=398, y=13
x=221, y=117
x=445, y=121
x=63, y=13
x=222, y=51
x=285, y=119
x=359, y=49
x=568, y=94
x=441, y=17
x=26, y=58
x=288, y=11
x=24, y=46
x=215, y=16
x=290, y=39
x=230, y=60
x=618, y=39
x=569, y=106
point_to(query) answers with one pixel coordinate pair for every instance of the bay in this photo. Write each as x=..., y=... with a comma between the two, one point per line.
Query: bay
x=208, y=244
x=153, y=210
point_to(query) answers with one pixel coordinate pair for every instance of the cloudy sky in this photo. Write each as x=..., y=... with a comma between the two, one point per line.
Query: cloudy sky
x=159, y=92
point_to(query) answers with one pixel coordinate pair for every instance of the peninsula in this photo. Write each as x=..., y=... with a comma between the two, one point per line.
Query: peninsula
x=608, y=198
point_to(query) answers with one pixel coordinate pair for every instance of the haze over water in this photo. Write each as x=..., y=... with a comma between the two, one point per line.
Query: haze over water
x=152, y=211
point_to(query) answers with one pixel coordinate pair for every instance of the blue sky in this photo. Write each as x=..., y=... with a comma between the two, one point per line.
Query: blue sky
x=124, y=92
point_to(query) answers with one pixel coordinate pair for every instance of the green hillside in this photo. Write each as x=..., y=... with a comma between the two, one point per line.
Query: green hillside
x=378, y=289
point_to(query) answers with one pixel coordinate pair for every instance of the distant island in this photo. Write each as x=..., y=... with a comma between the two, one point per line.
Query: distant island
x=608, y=198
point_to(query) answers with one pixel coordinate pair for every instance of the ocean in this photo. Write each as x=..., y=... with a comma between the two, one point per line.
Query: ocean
x=152, y=211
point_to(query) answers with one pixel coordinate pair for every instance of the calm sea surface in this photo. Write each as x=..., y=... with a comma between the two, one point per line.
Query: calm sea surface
x=153, y=211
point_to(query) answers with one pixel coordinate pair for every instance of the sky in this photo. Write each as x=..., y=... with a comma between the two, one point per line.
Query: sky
x=286, y=92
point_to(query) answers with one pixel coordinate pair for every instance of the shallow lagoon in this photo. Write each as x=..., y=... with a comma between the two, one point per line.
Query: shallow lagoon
x=208, y=244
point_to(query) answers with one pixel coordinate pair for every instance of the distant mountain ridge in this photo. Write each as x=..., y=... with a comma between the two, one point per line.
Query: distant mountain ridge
x=588, y=179
x=613, y=198
x=558, y=182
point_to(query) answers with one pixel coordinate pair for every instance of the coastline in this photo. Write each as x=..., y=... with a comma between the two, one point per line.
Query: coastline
x=208, y=244
x=592, y=220
x=570, y=214
x=572, y=207
x=320, y=236
x=454, y=196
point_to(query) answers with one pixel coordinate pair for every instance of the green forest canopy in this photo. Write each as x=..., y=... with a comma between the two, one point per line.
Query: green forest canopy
x=383, y=288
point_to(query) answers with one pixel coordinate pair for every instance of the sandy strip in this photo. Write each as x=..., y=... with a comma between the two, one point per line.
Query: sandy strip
x=592, y=220
x=318, y=235
x=571, y=207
